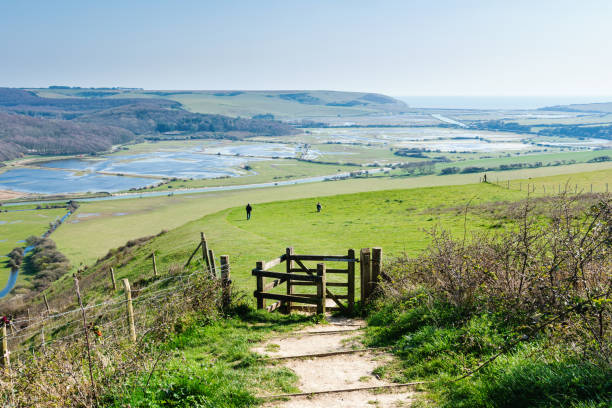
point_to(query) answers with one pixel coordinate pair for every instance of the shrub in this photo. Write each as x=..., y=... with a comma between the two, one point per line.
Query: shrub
x=526, y=313
x=449, y=170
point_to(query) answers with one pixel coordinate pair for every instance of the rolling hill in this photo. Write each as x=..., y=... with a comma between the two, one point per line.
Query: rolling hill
x=283, y=105
x=33, y=124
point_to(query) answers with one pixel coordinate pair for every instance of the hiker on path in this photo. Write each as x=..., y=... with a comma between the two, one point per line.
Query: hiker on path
x=319, y=207
x=248, y=210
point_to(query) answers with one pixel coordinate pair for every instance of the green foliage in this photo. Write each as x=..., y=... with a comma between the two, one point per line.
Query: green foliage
x=529, y=378
x=490, y=334
x=438, y=342
x=213, y=366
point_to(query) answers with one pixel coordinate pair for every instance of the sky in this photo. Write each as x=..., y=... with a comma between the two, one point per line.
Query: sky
x=396, y=47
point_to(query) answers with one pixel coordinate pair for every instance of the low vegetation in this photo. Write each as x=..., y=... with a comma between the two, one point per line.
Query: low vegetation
x=190, y=351
x=521, y=317
x=45, y=263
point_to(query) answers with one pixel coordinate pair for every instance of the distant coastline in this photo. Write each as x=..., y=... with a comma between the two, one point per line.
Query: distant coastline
x=497, y=102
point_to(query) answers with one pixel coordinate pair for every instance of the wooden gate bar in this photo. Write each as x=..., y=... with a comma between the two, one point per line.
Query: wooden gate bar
x=274, y=284
x=274, y=306
x=315, y=271
x=274, y=262
x=279, y=296
x=326, y=258
x=269, y=274
x=337, y=284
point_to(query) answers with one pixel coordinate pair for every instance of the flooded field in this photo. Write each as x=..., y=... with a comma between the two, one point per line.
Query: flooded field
x=148, y=163
x=121, y=172
x=64, y=181
x=446, y=139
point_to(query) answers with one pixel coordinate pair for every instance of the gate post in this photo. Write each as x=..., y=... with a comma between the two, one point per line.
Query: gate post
x=288, y=253
x=226, y=288
x=321, y=288
x=351, y=281
x=364, y=260
x=376, y=262
x=260, y=299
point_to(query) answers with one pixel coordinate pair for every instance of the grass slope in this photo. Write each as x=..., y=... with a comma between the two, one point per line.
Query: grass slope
x=93, y=236
x=396, y=220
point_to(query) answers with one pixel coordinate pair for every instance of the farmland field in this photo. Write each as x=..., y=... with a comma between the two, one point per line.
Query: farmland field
x=16, y=226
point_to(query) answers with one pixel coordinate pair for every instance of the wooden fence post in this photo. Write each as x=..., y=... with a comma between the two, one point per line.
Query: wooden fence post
x=260, y=300
x=365, y=273
x=112, y=275
x=85, y=329
x=289, y=264
x=226, y=287
x=376, y=264
x=154, y=264
x=321, y=288
x=47, y=304
x=130, y=309
x=42, y=336
x=6, y=359
x=205, y=250
x=351, y=282
x=213, y=266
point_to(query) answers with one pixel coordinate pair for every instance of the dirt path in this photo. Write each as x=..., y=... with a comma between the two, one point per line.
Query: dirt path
x=329, y=359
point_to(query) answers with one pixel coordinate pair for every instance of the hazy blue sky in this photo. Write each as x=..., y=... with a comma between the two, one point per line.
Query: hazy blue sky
x=463, y=47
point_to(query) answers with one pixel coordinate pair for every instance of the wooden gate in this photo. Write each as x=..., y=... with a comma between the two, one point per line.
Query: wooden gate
x=298, y=274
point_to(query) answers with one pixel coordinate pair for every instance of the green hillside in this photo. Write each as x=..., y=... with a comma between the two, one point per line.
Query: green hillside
x=208, y=357
x=294, y=104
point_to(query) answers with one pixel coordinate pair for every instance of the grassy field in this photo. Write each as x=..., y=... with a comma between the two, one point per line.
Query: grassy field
x=116, y=221
x=16, y=226
x=397, y=220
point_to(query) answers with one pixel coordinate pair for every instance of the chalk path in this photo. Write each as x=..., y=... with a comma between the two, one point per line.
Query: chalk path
x=334, y=368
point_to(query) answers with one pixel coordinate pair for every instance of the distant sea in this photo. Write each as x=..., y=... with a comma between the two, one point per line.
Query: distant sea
x=497, y=102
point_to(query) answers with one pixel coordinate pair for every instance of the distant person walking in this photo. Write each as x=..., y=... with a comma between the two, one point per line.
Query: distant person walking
x=248, y=211
x=319, y=207
x=485, y=177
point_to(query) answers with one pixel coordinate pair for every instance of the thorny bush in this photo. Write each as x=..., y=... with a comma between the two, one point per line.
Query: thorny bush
x=549, y=273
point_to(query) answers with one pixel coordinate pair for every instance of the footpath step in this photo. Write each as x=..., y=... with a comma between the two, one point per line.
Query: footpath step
x=334, y=368
x=355, y=399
